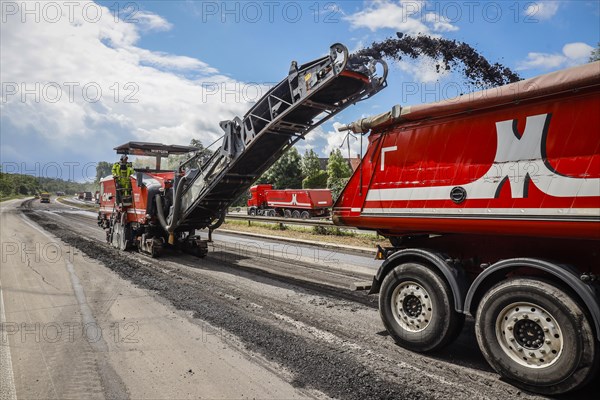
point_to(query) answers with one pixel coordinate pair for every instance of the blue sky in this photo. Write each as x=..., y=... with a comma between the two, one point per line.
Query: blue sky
x=77, y=80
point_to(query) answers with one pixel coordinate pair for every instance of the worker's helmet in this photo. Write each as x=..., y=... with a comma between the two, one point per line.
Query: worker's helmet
x=124, y=158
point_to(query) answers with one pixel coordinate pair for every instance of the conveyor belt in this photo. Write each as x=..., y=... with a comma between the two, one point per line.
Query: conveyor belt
x=310, y=95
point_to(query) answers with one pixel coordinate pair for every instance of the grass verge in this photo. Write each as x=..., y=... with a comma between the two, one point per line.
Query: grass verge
x=319, y=233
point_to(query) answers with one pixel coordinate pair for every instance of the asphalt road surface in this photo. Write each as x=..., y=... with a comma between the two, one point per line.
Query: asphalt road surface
x=83, y=320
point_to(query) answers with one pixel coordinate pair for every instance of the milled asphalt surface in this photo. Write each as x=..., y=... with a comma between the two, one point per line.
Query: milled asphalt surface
x=293, y=319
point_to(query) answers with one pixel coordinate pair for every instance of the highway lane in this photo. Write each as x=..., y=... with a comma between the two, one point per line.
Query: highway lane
x=299, y=315
x=75, y=329
x=336, y=267
x=334, y=258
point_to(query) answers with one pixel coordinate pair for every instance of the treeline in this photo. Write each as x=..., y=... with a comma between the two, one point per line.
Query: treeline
x=28, y=185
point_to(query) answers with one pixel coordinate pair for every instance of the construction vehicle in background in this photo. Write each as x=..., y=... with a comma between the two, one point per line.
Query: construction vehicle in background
x=45, y=197
x=168, y=207
x=491, y=203
x=289, y=203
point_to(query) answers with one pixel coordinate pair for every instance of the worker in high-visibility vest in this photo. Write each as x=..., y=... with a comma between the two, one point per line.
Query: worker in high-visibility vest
x=121, y=172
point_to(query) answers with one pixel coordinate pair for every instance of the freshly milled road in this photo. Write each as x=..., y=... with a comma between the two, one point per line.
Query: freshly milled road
x=76, y=330
x=240, y=323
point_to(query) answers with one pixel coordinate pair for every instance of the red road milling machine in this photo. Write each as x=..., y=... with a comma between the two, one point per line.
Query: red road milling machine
x=167, y=207
x=491, y=202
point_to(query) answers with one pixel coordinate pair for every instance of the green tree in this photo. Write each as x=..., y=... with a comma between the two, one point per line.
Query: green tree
x=204, y=154
x=338, y=172
x=315, y=177
x=103, y=169
x=595, y=56
x=286, y=173
x=310, y=163
x=318, y=181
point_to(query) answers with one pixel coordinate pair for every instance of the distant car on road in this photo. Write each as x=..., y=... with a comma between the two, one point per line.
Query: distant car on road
x=45, y=198
x=88, y=196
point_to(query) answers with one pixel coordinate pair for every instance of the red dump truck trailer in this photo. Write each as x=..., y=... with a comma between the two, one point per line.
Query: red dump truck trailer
x=491, y=203
x=289, y=203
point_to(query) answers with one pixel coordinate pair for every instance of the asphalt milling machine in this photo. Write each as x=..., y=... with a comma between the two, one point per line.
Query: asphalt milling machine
x=168, y=207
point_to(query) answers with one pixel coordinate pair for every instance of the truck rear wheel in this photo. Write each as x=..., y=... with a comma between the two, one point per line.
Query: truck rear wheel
x=536, y=336
x=305, y=215
x=296, y=214
x=287, y=213
x=417, y=308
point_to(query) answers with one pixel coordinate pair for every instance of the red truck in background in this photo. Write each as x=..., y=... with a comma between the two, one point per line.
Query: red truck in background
x=491, y=202
x=289, y=203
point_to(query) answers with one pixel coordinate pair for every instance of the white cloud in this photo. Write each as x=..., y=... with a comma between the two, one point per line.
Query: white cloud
x=144, y=95
x=577, y=51
x=423, y=70
x=165, y=60
x=542, y=10
x=572, y=54
x=440, y=23
x=403, y=16
x=324, y=142
x=151, y=22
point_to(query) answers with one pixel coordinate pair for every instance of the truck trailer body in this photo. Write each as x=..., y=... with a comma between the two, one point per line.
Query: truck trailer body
x=289, y=203
x=491, y=202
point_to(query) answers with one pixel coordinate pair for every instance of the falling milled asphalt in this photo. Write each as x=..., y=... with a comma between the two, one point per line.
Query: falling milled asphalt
x=236, y=324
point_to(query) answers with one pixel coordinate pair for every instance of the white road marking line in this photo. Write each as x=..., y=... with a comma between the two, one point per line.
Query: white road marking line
x=7, y=381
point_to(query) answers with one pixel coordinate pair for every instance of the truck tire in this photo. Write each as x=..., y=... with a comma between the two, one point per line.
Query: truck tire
x=305, y=215
x=417, y=308
x=296, y=214
x=252, y=212
x=287, y=213
x=536, y=336
x=271, y=213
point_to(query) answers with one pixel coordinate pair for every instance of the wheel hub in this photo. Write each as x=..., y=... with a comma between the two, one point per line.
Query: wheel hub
x=412, y=306
x=529, y=335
